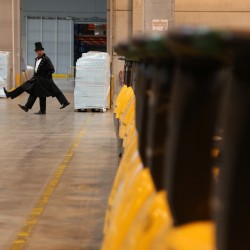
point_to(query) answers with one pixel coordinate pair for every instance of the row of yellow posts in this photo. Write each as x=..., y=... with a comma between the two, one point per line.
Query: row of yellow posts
x=136, y=211
x=190, y=83
x=138, y=216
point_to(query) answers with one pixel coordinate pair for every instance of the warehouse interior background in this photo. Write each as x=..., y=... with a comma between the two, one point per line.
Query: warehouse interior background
x=68, y=28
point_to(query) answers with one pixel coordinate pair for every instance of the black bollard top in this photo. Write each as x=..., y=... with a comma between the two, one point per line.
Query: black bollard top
x=127, y=50
x=240, y=39
x=191, y=41
x=237, y=43
x=199, y=42
x=144, y=47
x=154, y=46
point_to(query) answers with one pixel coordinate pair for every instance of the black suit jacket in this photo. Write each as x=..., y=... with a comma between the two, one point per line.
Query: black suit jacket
x=42, y=84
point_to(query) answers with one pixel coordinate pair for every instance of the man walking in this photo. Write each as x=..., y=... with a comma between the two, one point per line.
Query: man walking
x=40, y=85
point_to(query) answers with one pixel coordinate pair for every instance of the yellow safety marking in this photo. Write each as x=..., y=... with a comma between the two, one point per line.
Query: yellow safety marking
x=60, y=75
x=32, y=220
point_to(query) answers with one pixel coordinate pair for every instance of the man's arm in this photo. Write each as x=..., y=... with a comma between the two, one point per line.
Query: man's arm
x=50, y=68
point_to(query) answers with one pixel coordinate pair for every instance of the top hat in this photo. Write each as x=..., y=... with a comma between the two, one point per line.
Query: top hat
x=38, y=46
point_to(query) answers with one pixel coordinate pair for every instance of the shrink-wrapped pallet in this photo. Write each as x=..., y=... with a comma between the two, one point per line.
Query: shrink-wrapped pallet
x=4, y=71
x=29, y=72
x=92, y=81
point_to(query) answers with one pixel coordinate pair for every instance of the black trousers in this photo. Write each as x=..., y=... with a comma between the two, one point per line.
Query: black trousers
x=31, y=100
x=16, y=92
x=61, y=98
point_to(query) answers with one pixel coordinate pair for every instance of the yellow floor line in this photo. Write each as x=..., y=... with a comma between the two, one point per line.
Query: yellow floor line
x=32, y=220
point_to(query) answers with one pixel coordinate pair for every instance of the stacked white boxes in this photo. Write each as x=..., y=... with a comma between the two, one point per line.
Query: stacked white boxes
x=92, y=81
x=29, y=72
x=4, y=71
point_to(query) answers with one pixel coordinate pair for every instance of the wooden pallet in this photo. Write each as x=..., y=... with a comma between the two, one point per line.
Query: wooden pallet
x=102, y=110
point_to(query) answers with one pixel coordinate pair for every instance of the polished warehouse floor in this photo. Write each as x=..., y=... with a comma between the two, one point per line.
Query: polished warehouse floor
x=56, y=174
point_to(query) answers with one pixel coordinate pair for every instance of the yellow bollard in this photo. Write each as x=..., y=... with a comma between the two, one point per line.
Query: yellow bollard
x=139, y=192
x=123, y=170
x=148, y=223
x=129, y=134
x=119, y=98
x=123, y=102
x=126, y=117
x=194, y=236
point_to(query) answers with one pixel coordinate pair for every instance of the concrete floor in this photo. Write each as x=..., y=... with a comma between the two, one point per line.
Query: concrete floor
x=56, y=174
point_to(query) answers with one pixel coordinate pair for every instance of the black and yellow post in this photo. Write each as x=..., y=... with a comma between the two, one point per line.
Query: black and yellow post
x=233, y=215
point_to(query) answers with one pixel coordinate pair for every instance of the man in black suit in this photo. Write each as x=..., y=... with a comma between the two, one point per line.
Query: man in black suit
x=40, y=85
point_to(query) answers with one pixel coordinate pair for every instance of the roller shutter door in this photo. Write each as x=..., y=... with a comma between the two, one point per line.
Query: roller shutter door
x=56, y=36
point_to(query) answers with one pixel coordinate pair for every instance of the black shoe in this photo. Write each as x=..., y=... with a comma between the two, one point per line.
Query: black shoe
x=65, y=105
x=23, y=108
x=40, y=113
x=6, y=92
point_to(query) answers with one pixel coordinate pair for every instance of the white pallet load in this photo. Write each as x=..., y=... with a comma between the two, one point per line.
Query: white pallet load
x=29, y=72
x=92, y=81
x=4, y=71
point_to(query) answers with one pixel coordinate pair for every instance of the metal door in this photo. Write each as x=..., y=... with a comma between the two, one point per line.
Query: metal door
x=56, y=36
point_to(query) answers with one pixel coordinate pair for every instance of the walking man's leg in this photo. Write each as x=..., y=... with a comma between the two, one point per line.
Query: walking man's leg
x=43, y=104
x=15, y=93
x=42, y=110
x=62, y=99
x=29, y=104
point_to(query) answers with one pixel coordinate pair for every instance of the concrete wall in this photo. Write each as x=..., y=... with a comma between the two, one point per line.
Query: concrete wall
x=81, y=10
x=120, y=26
x=63, y=8
x=5, y=24
x=137, y=17
x=158, y=9
x=127, y=18
x=222, y=13
x=10, y=37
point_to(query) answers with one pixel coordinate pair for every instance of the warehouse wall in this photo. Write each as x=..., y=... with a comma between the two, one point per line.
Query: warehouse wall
x=127, y=18
x=54, y=30
x=222, y=13
x=160, y=9
x=62, y=8
x=5, y=24
x=120, y=27
x=10, y=37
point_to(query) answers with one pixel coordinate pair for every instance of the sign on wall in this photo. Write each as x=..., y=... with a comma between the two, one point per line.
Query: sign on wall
x=160, y=24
